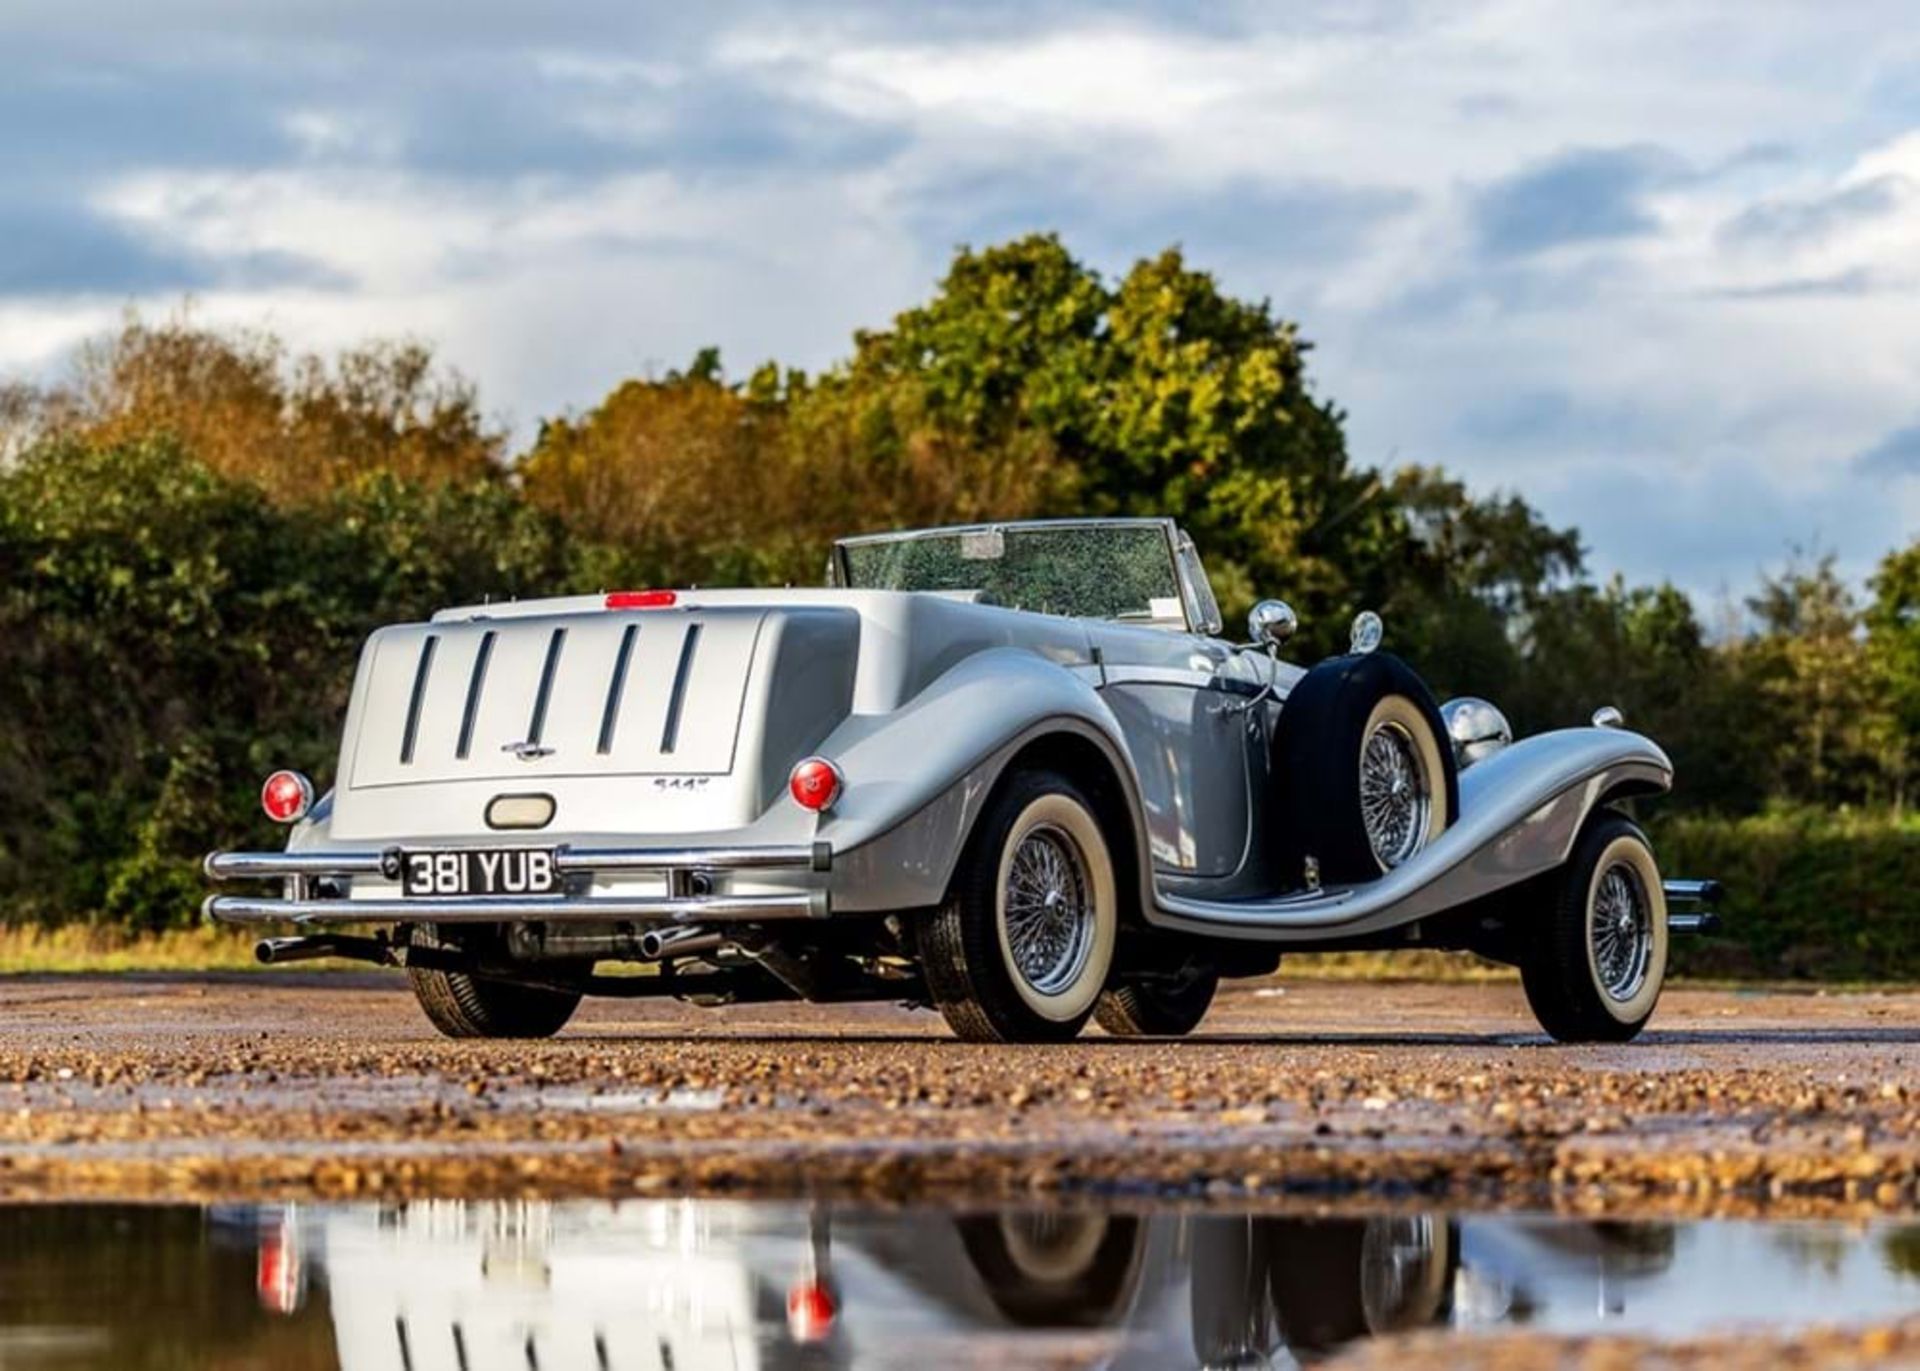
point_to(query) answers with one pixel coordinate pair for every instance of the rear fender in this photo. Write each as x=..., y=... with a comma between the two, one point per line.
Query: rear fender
x=917, y=778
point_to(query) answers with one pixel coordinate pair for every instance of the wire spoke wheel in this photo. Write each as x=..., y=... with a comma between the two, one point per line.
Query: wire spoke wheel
x=1402, y=1262
x=1023, y=946
x=1049, y=909
x=1620, y=929
x=1396, y=794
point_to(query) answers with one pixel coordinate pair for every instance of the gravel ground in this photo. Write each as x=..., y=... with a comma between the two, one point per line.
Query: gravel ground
x=1896, y=1345
x=1293, y=1093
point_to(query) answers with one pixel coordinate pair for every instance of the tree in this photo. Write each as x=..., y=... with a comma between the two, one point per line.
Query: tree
x=168, y=635
x=295, y=426
x=1893, y=648
x=663, y=480
x=1808, y=662
x=1158, y=395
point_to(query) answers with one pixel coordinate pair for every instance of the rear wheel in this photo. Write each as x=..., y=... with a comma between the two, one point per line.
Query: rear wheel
x=1054, y=1269
x=462, y=1005
x=1158, y=1006
x=1022, y=947
x=1594, y=966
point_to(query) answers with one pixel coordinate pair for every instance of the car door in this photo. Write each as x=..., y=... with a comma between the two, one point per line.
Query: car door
x=1186, y=706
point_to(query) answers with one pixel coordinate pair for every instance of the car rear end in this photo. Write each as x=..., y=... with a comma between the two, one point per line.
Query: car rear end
x=595, y=767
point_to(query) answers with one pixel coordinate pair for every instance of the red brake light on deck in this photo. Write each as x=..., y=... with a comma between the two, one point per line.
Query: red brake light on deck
x=286, y=796
x=815, y=784
x=641, y=599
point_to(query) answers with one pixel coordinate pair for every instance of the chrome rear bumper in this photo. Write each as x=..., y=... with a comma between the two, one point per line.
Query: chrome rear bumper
x=683, y=867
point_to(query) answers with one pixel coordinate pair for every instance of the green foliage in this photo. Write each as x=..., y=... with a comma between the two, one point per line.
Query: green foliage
x=1893, y=649
x=167, y=636
x=1158, y=395
x=1811, y=895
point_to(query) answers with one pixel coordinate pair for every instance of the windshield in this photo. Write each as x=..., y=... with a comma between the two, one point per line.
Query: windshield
x=1090, y=571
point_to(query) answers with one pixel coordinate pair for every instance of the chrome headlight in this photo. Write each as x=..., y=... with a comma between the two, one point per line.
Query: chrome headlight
x=1476, y=729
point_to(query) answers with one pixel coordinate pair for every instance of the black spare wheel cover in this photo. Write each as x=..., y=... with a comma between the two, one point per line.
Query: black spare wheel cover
x=1316, y=764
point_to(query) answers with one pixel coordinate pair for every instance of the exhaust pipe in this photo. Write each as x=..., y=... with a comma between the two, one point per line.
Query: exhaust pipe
x=1694, y=892
x=275, y=951
x=1698, y=898
x=683, y=941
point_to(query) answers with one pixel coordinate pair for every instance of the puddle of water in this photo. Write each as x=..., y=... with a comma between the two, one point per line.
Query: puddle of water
x=693, y=1284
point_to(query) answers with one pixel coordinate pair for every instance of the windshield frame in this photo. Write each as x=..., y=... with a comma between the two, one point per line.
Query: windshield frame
x=841, y=574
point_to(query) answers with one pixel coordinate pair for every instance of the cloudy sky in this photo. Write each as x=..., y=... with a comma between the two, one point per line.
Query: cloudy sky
x=1653, y=265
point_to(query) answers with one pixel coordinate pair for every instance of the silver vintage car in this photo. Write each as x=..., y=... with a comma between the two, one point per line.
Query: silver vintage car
x=1010, y=771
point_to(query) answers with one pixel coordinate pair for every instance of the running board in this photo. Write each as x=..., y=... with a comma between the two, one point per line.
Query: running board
x=1520, y=812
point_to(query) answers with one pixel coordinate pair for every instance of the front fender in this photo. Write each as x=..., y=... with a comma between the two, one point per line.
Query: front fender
x=917, y=777
x=1520, y=813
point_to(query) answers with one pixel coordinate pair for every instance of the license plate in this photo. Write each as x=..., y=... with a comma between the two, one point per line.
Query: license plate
x=480, y=871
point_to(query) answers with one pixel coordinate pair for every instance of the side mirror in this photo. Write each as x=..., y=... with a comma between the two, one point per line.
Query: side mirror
x=1272, y=622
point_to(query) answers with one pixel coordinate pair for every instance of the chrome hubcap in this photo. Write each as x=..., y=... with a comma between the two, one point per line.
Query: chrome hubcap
x=1621, y=929
x=1049, y=910
x=1395, y=794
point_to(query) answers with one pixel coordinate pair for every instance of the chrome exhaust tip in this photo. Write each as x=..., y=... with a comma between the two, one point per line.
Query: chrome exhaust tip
x=684, y=941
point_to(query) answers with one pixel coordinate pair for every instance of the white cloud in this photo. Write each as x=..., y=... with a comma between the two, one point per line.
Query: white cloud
x=1727, y=300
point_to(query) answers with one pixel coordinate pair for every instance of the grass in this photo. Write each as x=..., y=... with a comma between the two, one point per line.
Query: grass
x=1405, y=964
x=33, y=948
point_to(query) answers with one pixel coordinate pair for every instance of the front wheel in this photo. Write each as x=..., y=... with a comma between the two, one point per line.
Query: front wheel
x=1595, y=965
x=1022, y=947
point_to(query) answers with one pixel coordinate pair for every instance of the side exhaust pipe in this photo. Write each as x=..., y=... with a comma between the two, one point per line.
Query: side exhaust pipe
x=275, y=951
x=1699, y=897
x=656, y=943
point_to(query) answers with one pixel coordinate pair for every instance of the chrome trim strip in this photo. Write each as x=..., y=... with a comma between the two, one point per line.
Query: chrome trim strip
x=809, y=904
x=235, y=866
x=813, y=857
x=1177, y=676
x=246, y=866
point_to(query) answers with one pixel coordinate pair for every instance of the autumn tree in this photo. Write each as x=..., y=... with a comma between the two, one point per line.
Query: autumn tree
x=294, y=425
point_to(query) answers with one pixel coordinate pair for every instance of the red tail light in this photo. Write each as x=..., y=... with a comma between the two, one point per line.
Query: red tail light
x=642, y=599
x=286, y=796
x=815, y=784
x=280, y=1277
x=810, y=1311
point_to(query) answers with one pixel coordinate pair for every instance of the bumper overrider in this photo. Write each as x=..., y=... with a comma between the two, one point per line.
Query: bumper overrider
x=317, y=888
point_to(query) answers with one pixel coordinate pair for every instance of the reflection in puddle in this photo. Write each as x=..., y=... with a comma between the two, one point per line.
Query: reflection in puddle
x=684, y=1285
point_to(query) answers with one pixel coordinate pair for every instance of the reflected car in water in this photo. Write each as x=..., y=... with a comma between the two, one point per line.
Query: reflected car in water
x=699, y=1284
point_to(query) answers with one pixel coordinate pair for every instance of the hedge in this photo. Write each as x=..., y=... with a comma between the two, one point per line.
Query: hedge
x=1811, y=895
